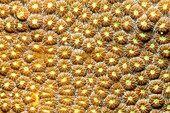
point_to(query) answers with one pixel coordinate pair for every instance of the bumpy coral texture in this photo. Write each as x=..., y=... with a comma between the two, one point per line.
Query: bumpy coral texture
x=84, y=56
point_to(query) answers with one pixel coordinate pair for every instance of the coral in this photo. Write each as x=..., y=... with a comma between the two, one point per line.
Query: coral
x=35, y=21
x=112, y=101
x=39, y=77
x=60, y=26
x=38, y=65
x=28, y=98
x=121, y=108
x=22, y=13
x=77, y=40
x=130, y=98
x=49, y=102
x=35, y=6
x=50, y=60
x=89, y=64
x=165, y=51
x=101, y=91
x=64, y=52
x=85, y=16
x=82, y=101
x=143, y=35
x=79, y=82
x=104, y=81
x=64, y=65
x=32, y=86
x=84, y=91
x=136, y=11
x=153, y=14
x=106, y=18
x=9, y=24
x=94, y=5
x=152, y=71
x=89, y=31
x=22, y=82
x=144, y=23
x=163, y=6
x=132, y=50
x=165, y=75
x=162, y=38
x=8, y=84
x=37, y=35
x=4, y=11
x=124, y=65
x=25, y=37
x=46, y=109
x=114, y=73
x=127, y=23
x=78, y=70
x=13, y=74
x=49, y=6
x=132, y=109
x=51, y=84
x=91, y=79
x=64, y=79
x=99, y=40
x=127, y=5
x=116, y=48
x=69, y=18
x=5, y=105
x=120, y=37
x=146, y=56
x=145, y=4
x=67, y=90
x=137, y=64
x=18, y=106
x=160, y=61
x=93, y=108
x=75, y=108
x=156, y=86
x=32, y=108
x=95, y=20
x=166, y=90
x=117, y=89
x=88, y=45
x=117, y=9
x=66, y=100
x=95, y=99
x=143, y=106
x=105, y=6
x=111, y=59
x=163, y=24
x=156, y=101
x=76, y=8
x=128, y=82
x=14, y=6
x=49, y=21
x=84, y=56
x=61, y=108
x=141, y=78
x=98, y=54
x=64, y=39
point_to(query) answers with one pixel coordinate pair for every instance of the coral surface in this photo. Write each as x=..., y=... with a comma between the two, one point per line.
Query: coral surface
x=84, y=56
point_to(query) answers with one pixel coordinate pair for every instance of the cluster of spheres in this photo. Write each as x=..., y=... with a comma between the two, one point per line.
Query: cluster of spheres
x=84, y=56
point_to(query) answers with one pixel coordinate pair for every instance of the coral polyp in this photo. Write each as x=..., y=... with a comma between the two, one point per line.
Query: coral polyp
x=112, y=101
x=22, y=13
x=6, y=105
x=49, y=6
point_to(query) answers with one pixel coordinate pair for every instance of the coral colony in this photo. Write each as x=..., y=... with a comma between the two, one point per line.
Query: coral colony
x=84, y=56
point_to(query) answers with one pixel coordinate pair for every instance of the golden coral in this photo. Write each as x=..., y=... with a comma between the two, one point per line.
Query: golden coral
x=84, y=56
